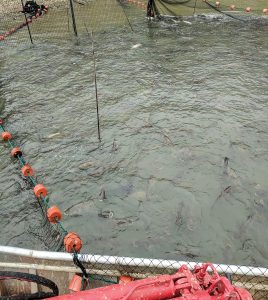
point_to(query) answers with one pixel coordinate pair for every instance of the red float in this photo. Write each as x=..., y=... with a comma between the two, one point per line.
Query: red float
x=6, y=136
x=125, y=279
x=40, y=190
x=72, y=242
x=27, y=170
x=54, y=214
x=76, y=284
x=15, y=152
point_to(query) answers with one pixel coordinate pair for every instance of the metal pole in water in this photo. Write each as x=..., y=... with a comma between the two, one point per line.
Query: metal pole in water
x=29, y=31
x=95, y=81
x=73, y=17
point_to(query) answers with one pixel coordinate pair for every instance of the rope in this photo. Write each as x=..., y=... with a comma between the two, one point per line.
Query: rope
x=222, y=12
x=33, y=181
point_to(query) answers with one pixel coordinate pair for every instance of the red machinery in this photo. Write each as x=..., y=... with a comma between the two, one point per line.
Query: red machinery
x=184, y=285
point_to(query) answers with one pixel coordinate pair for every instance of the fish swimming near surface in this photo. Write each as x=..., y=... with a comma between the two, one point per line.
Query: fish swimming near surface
x=136, y=46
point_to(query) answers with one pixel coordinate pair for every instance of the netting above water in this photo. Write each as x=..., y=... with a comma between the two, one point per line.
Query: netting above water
x=190, y=7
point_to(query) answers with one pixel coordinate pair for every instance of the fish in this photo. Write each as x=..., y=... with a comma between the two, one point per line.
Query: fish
x=53, y=135
x=102, y=194
x=187, y=22
x=106, y=214
x=136, y=46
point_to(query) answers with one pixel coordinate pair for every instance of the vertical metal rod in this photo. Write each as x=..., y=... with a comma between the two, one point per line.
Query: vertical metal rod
x=95, y=81
x=29, y=31
x=96, y=87
x=73, y=17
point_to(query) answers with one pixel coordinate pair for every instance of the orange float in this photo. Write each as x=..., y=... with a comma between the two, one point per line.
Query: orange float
x=54, y=214
x=27, y=170
x=6, y=136
x=265, y=10
x=125, y=279
x=16, y=152
x=218, y=3
x=72, y=242
x=40, y=190
x=76, y=283
x=248, y=9
x=232, y=7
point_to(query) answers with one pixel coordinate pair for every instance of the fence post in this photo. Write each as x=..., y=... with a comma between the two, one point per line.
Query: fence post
x=73, y=17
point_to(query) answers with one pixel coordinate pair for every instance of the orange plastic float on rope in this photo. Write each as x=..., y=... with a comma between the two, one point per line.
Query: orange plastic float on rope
x=40, y=190
x=248, y=9
x=125, y=279
x=72, y=242
x=265, y=10
x=54, y=214
x=27, y=170
x=6, y=136
x=232, y=7
x=16, y=152
x=218, y=3
x=76, y=283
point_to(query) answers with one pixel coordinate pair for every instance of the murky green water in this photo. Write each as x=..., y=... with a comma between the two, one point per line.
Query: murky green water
x=175, y=100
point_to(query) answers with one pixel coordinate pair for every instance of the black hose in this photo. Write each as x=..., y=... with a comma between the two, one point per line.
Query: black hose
x=30, y=278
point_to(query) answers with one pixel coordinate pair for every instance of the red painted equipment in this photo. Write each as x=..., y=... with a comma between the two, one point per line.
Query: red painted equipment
x=184, y=285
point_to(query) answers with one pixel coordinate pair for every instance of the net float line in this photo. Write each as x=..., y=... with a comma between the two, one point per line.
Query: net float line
x=233, y=7
x=72, y=241
x=23, y=24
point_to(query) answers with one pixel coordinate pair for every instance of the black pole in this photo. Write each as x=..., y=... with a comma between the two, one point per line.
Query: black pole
x=29, y=31
x=73, y=17
x=96, y=88
x=95, y=81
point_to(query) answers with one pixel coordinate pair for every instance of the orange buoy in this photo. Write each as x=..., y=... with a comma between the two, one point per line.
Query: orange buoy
x=76, y=283
x=16, y=152
x=72, y=242
x=125, y=279
x=265, y=10
x=232, y=7
x=6, y=136
x=218, y=3
x=27, y=170
x=40, y=190
x=54, y=214
x=248, y=9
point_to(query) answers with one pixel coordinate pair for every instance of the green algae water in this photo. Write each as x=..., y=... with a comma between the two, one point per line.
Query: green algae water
x=183, y=159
